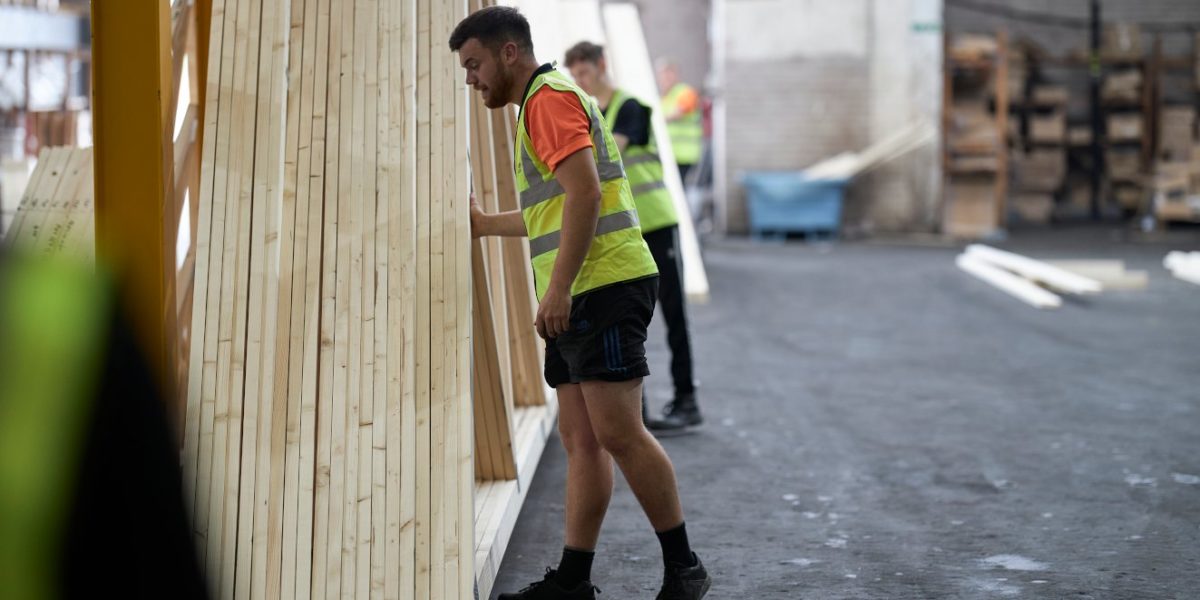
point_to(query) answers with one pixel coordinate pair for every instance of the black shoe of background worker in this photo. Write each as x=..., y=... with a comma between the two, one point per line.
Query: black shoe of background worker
x=685, y=582
x=660, y=427
x=680, y=414
x=548, y=589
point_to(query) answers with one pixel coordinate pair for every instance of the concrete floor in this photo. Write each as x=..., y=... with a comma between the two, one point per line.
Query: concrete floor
x=882, y=425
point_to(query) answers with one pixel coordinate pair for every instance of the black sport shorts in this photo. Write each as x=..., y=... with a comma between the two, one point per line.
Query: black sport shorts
x=607, y=339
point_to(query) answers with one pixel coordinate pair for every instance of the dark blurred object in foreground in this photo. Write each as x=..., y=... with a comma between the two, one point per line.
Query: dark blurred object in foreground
x=90, y=489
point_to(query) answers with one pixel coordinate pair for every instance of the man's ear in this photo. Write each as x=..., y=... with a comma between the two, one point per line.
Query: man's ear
x=509, y=53
x=602, y=66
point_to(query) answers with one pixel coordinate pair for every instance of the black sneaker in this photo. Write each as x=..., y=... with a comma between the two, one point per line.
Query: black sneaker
x=548, y=589
x=683, y=412
x=684, y=583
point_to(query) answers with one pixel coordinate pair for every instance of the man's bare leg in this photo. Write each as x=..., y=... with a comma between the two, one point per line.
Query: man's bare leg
x=589, y=470
x=589, y=489
x=615, y=409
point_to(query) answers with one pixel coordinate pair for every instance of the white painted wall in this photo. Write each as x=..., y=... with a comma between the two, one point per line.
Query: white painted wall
x=802, y=80
x=777, y=30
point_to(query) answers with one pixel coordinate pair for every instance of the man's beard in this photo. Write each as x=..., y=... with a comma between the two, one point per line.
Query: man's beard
x=496, y=96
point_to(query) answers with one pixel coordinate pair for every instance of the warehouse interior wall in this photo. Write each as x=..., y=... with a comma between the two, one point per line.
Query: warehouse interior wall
x=804, y=80
x=678, y=29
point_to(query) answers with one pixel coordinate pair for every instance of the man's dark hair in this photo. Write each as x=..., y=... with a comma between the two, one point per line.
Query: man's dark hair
x=494, y=26
x=584, y=52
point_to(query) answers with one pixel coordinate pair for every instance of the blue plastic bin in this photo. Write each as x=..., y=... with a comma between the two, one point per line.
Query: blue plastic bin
x=782, y=202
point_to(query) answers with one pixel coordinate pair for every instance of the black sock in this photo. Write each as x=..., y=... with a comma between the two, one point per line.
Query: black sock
x=675, y=546
x=575, y=568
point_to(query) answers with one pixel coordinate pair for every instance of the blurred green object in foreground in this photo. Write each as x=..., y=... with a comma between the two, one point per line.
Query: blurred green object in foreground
x=53, y=322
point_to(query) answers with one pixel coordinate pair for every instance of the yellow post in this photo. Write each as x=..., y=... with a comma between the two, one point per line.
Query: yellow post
x=132, y=125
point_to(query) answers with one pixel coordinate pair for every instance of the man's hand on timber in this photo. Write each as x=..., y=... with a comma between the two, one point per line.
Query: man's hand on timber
x=477, y=218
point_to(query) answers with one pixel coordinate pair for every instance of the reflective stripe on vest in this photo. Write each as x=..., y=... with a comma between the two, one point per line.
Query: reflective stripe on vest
x=606, y=224
x=617, y=252
x=687, y=133
x=655, y=205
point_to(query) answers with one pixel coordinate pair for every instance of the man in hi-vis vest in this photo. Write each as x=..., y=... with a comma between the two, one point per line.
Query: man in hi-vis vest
x=629, y=121
x=685, y=120
x=596, y=284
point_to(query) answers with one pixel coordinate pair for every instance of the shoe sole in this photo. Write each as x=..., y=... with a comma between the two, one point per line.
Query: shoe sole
x=673, y=433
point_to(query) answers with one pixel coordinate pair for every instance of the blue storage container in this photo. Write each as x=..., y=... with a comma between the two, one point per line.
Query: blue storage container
x=782, y=202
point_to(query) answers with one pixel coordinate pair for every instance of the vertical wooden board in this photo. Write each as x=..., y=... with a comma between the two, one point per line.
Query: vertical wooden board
x=489, y=398
x=313, y=445
x=411, y=259
x=630, y=60
x=228, y=418
x=60, y=222
x=448, y=556
x=211, y=448
x=85, y=242
x=384, y=170
x=438, y=327
x=38, y=211
x=313, y=340
x=324, y=502
x=464, y=522
x=47, y=223
x=28, y=209
x=27, y=197
x=278, y=227
x=423, y=327
x=56, y=207
x=391, y=83
x=79, y=208
x=255, y=410
x=481, y=124
x=300, y=91
x=33, y=226
x=346, y=241
x=353, y=228
x=354, y=391
x=282, y=397
x=30, y=213
x=368, y=227
x=525, y=349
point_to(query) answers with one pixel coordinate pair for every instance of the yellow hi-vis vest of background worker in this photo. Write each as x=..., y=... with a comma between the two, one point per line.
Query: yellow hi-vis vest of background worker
x=618, y=252
x=687, y=132
x=643, y=168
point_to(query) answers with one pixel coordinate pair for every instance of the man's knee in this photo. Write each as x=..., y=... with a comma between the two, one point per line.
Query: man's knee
x=577, y=442
x=620, y=442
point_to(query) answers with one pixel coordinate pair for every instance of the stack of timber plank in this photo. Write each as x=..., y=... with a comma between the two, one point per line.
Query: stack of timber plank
x=328, y=437
x=975, y=123
x=55, y=216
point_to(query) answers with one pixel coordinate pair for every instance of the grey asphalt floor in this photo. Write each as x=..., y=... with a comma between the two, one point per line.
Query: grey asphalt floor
x=882, y=425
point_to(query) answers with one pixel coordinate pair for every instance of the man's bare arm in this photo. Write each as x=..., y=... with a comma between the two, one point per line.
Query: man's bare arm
x=505, y=224
x=581, y=209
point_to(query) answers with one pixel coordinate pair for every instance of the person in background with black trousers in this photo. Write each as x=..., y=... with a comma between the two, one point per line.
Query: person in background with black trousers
x=629, y=121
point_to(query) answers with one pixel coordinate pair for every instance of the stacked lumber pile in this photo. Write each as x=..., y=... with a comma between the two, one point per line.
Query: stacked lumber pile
x=1041, y=171
x=328, y=435
x=976, y=130
x=1176, y=180
x=55, y=216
